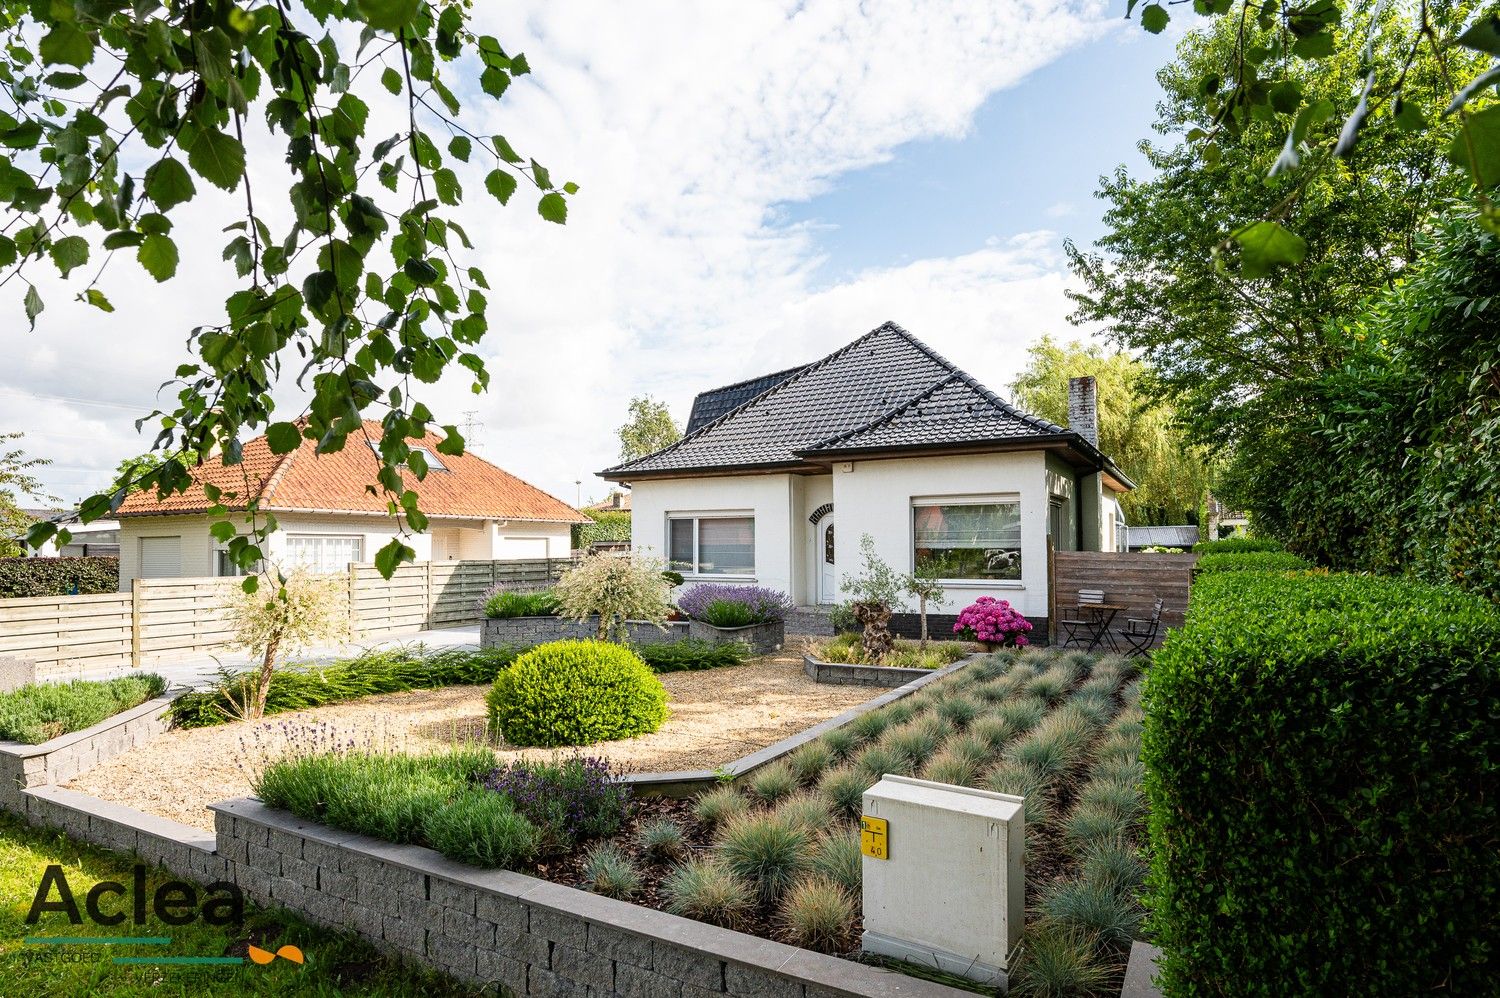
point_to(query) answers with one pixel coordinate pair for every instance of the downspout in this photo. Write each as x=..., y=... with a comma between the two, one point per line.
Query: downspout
x=1078, y=512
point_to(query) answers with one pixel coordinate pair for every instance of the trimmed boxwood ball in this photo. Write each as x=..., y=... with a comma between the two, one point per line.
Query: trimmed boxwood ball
x=576, y=693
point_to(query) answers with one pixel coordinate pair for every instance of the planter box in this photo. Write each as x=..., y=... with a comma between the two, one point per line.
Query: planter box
x=838, y=674
x=526, y=632
x=762, y=638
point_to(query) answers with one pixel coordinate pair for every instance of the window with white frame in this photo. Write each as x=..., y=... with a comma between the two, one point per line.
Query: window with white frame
x=711, y=544
x=964, y=538
x=324, y=553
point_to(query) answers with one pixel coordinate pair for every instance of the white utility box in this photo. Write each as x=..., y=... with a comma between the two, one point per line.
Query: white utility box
x=944, y=878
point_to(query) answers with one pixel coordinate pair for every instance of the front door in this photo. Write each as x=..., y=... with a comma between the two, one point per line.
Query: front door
x=828, y=582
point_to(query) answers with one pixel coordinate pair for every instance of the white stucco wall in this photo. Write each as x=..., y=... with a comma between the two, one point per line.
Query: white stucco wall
x=875, y=498
x=769, y=498
x=196, y=544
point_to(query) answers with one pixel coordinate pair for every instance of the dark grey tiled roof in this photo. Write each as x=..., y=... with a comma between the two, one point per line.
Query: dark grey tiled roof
x=886, y=389
x=716, y=402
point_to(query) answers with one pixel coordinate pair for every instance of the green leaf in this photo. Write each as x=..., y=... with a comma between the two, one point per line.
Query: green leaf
x=387, y=15
x=1476, y=146
x=1483, y=36
x=158, y=254
x=459, y=148
x=217, y=158
x=34, y=304
x=500, y=184
x=1155, y=18
x=502, y=147
x=67, y=44
x=222, y=530
x=391, y=79
x=95, y=297
x=169, y=184
x=553, y=207
x=390, y=557
x=1409, y=117
x=1319, y=46
x=452, y=443
x=283, y=438
x=40, y=533
x=1265, y=245
x=69, y=253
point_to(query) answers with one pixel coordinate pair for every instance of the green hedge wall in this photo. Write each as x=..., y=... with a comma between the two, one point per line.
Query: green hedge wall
x=1321, y=756
x=607, y=525
x=58, y=576
x=1251, y=561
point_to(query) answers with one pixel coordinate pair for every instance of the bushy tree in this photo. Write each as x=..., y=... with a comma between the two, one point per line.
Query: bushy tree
x=1136, y=428
x=121, y=115
x=928, y=592
x=304, y=610
x=874, y=592
x=617, y=588
x=16, y=482
x=649, y=428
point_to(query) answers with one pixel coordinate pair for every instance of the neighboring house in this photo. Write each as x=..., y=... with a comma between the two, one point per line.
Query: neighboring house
x=328, y=518
x=617, y=502
x=886, y=438
x=99, y=539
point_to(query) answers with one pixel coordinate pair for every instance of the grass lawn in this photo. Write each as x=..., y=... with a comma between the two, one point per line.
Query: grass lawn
x=335, y=964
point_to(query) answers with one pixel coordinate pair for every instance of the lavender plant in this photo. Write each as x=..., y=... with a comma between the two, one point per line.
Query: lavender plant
x=762, y=605
x=570, y=799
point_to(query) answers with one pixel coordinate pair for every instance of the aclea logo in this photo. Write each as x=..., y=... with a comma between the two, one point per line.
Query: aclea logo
x=173, y=903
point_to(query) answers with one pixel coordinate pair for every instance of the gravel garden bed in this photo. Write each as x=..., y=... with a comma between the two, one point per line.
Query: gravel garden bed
x=717, y=716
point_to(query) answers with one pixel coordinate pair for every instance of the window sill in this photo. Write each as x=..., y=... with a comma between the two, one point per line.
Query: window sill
x=981, y=584
x=737, y=579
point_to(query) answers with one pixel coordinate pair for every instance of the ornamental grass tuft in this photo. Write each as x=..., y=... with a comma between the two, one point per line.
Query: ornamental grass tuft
x=662, y=841
x=837, y=857
x=819, y=915
x=809, y=761
x=844, y=789
x=719, y=805
x=1095, y=908
x=608, y=871
x=1058, y=961
x=772, y=783
x=766, y=850
x=706, y=890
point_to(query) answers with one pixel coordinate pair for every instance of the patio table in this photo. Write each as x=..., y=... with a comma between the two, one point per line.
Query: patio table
x=1100, y=616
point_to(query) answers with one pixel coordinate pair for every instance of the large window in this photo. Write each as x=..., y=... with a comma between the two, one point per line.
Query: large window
x=967, y=538
x=324, y=553
x=711, y=545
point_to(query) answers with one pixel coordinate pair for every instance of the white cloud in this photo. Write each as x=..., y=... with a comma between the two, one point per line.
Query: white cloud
x=685, y=124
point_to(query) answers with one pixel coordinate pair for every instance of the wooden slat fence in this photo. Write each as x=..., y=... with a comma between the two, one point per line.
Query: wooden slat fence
x=1132, y=580
x=171, y=619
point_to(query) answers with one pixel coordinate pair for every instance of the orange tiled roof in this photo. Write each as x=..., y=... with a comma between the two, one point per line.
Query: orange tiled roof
x=337, y=483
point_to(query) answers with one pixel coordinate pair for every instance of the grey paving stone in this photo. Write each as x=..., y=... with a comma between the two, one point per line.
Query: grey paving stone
x=559, y=927
x=543, y=982
x=1140, y=970
x=626, y=947
x=689, y=967
x=501, y=971
x=635, y=982
x=581, y=966
x=754, y=982
x=459, y=897
x=452, y=955
x=475, y=932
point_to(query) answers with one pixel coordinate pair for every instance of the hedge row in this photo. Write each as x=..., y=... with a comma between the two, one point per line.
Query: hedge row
x=1321, y=756
x=58, y=576
x=1237, y=545
x=1251, y=561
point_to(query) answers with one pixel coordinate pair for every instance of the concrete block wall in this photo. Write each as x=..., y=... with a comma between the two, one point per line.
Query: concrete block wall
x=838, y=674
x=525, y=632
x=762, y=638
x=525, y=936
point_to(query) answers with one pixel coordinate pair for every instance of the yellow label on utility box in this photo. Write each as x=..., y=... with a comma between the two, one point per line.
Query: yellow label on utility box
x=874, y=838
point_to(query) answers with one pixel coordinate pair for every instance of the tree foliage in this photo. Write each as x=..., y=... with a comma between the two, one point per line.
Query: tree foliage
x=615, y=588
x=1136, y=428
x=1224, y=344
x=121, y=116
x=649, y=428
x=304, y=611
x=16, y=482
x=1376, y=54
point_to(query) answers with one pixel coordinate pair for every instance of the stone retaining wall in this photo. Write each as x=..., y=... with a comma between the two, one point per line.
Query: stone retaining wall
x=64, y=757
x=526, y=936
x=525, y=632
x=763, y=639
x=838, y=674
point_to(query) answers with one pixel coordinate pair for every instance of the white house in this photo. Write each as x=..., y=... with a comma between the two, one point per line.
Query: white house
x=778, y=478
x=328, y=517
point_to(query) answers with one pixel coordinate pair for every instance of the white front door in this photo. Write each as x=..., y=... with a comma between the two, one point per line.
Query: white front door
x=828, y=579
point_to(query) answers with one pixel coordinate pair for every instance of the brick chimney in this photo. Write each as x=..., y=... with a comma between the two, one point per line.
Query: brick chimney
x=1083, y=409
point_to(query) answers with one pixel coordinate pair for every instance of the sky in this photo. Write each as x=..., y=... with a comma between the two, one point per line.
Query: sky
x=759, y=185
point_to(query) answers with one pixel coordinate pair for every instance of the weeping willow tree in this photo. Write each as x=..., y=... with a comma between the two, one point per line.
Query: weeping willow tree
x=1140, y=433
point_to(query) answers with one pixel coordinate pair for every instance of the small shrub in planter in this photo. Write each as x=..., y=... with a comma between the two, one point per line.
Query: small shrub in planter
x=993, y=623
x=571, y=799
x=41, y=711
x=734, y=606
x=503, y=605
x=576, y=693
x=690, y=654
x=482, y=829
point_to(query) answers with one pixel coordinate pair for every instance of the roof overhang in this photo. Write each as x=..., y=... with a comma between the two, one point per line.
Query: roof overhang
x=372, y=513
x=627, y=477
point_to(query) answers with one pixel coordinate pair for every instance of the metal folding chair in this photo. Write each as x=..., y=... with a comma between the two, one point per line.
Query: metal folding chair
x=1082, y=620
x=1140, y=633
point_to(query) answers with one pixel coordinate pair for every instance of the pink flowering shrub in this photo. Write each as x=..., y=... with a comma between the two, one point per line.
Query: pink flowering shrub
x=993, y=621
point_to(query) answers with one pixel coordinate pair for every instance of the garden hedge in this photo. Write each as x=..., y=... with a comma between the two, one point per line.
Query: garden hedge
x=1250, y=561
x=1321, y=756
x=1237, y=545
x=58, y=576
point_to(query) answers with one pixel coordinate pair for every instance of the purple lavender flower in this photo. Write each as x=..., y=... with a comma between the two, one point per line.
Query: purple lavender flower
x=765, y=605
x=571, y=799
